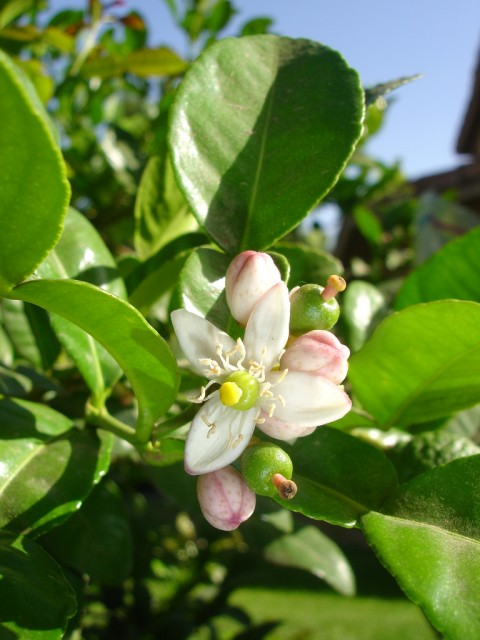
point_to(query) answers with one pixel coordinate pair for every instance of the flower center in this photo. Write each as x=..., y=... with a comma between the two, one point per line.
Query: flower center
x=240, y=391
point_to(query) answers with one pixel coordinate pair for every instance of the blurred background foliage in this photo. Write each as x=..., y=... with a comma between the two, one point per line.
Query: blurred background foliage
x=141, y=558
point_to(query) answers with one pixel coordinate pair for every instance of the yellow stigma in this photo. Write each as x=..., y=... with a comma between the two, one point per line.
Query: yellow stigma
x=230, y=393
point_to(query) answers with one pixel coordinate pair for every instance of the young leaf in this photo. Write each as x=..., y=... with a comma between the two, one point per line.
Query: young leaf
x=142, y=354
x=451, y=272
x=420, y=364
x=257, y=150
x=48, y=466
x=339, y=477
x=34, y=191
x=428, y=538
x=35, y=599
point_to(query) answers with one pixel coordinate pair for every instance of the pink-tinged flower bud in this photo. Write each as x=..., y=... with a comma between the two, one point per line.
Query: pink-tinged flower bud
x=318, y=352
x=249, y=276
x=225, y=499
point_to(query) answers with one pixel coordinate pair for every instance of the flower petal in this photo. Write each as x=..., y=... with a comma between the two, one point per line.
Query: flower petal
x=267, y=328
x=199, y=338
x=208, y=449
x=318, y=352
x=279, y=430
x=310, y=400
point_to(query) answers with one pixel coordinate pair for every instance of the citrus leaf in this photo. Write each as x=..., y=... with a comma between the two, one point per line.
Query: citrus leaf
x=429, y=539
x=81, y=254
x=256, y=151
x=141, y=353
x=35, y=599
x=421, y=363
x=34, y=191
x=48, y=466
x=339, y=477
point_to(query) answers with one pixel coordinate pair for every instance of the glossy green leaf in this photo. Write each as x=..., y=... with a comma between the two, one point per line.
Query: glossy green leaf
x=308, y=264
x=429, y=539
x=81, y=254
x=96, y=540
x=202, y=286
x=33, y=189
x=310, y=549
x=363, y=306
x=36, y=601
x=257, y=151
x=30, y=332
x=141, y=353
x=48, y=466
x=421, y=363
x=339, y=477
x=452, y=272
x=161, y=213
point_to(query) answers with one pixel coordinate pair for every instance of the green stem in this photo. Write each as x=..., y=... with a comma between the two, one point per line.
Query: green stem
x=101, y=418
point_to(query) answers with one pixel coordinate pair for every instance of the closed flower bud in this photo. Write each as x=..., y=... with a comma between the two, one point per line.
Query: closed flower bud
x=249, y=276
x=225, y=499
x=320, y=353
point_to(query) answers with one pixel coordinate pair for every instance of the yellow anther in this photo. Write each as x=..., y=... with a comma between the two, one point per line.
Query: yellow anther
x=230, y=393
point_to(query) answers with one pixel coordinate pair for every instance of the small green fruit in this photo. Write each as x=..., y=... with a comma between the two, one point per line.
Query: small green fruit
x=309, y=311
x=260, y=463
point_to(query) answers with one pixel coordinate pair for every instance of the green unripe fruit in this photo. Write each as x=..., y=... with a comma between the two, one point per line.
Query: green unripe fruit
x=309, y=311
x=260, y=463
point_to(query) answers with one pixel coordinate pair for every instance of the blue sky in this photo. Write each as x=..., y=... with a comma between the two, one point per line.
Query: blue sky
x=383, y=40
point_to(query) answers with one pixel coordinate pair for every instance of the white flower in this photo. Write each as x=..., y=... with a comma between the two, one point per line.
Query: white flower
x=250, y=385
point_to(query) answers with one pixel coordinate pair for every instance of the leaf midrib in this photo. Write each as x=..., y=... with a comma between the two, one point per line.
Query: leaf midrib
x=258, y=169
